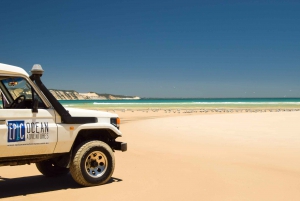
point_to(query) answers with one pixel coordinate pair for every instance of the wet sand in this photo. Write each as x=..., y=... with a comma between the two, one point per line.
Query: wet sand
x=185, y=156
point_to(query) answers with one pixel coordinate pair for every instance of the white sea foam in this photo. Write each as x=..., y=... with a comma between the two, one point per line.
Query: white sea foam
x=248, y=103
x=205, y=103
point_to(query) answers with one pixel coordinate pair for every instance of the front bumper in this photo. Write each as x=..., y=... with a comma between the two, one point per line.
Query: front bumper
x=122, y=146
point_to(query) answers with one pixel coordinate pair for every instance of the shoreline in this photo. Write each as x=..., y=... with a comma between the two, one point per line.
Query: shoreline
x=211, y=104
x=128, y=115
x=180, y=107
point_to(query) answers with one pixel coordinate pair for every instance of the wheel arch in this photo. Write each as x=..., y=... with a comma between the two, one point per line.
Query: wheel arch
x=105, y=135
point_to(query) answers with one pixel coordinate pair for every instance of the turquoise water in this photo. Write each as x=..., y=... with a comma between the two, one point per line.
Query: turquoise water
x=186, y=103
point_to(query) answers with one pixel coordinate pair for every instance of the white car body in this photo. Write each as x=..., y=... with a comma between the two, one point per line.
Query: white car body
x=25, y=133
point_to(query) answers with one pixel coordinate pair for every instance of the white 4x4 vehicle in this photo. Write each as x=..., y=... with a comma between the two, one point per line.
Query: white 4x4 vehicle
x=36, y=128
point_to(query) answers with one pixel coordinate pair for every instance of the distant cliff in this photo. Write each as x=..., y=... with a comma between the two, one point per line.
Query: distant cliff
x=74, y=95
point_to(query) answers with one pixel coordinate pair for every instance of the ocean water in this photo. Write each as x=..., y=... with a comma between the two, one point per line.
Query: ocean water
x=239, y=103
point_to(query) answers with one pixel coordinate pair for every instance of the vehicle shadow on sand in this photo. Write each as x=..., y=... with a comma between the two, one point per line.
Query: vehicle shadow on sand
x=38, y=184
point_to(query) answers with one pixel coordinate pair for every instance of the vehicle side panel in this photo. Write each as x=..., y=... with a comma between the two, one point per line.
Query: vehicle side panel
x=67, y=134
x=25, y=133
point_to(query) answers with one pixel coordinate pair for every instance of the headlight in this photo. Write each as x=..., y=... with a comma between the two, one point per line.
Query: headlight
x=116, y=122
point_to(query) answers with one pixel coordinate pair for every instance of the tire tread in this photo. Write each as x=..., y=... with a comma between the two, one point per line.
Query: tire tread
x=75, y=169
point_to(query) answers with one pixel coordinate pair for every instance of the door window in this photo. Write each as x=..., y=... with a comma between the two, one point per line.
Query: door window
x=18, y=93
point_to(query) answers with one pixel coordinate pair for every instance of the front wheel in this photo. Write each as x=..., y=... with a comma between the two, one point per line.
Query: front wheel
x=93, y=163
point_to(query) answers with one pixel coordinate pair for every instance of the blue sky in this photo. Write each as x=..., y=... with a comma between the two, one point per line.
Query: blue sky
x=178, y=48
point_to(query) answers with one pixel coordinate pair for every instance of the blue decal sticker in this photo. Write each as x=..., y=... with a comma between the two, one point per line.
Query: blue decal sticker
x=16, y=131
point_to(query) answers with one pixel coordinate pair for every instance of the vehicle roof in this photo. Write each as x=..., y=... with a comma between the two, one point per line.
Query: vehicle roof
x=14, y=70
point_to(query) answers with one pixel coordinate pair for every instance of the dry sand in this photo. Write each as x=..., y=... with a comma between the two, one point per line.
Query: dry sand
x=185, y=156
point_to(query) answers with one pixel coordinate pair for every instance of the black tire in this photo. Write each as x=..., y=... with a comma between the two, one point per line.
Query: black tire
x=93, y=163
x=50, y=169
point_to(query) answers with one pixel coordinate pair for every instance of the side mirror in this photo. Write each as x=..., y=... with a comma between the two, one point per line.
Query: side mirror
x=35, y=106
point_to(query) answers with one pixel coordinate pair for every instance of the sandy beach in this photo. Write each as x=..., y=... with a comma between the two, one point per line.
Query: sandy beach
x=185, y=155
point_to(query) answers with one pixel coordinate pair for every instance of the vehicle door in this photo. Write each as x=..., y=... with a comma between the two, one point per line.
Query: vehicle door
x=24, y=131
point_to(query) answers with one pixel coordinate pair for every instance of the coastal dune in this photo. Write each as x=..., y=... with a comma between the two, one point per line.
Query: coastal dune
x=235, y=156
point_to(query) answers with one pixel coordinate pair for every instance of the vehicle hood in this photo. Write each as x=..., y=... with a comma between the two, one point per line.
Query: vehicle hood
x=75, y=112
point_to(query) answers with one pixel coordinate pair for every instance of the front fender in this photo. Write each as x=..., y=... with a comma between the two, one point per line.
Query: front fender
x=67, y=134
x=116, y=131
